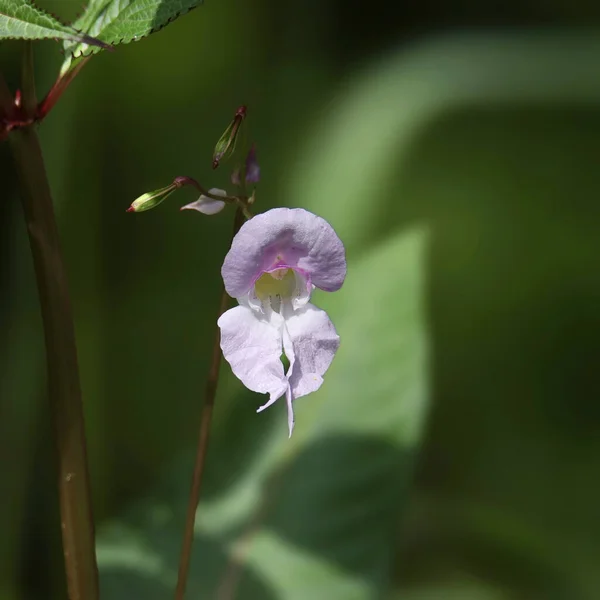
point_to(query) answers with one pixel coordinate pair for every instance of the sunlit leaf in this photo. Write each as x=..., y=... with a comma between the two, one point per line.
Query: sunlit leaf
x=19, y=19
x=122, y=21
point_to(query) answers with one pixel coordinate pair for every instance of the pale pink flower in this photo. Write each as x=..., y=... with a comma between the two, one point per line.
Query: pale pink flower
x=275, y=261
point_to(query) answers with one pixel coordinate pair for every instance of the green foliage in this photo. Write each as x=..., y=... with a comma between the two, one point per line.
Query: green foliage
x=317, y=517
x=123, y=21
x=19, y=19
x=461, y=174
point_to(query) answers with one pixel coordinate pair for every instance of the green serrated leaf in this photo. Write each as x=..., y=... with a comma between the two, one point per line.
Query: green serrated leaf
x=19, y=19
x=94, y=10
x=124, y=21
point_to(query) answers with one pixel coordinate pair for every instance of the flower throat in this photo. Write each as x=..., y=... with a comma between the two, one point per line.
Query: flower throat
x=275, y=286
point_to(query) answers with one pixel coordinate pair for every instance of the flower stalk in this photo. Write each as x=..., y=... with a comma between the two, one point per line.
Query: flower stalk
x=210, y=393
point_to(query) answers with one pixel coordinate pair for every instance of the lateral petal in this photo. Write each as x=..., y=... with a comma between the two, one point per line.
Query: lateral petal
x=252, y=345
x=315, y=342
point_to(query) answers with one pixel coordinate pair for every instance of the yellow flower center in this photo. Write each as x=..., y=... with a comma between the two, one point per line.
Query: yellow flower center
x=279, y=283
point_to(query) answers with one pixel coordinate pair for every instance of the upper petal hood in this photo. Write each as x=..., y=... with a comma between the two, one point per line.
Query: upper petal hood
x=292, y=237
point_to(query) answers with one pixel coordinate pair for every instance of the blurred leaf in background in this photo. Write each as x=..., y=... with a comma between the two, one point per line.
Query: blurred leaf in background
x=461, y=172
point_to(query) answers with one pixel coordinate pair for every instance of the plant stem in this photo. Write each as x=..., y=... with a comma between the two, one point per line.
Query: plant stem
x=61, y=354
x=6, y=107
x=59, y=87
x=6, y=99
x=205, y=420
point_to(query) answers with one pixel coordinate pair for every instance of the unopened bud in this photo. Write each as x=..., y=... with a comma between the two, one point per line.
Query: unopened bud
x=226, y=144
x=152, y=199
x=252, y=167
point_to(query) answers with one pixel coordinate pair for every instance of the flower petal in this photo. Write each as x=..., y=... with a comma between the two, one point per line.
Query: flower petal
x=207, y=205
x=302, y=291
x=315, y=342
x=291, y=237
x=288, y=348
x=288, y=400
x=252, y=345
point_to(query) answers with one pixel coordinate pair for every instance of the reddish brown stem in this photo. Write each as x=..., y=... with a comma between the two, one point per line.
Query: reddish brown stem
x=205, y=421
x=13, y=115
x=6, y=108
x=6, y=99
x=64, y=388
x=57, y=90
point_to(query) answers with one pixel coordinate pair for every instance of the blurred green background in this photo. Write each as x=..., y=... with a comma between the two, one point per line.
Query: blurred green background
x=453, y=451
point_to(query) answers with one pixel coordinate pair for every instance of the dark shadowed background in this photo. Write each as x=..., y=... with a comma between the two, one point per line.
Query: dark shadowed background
x=453, y=452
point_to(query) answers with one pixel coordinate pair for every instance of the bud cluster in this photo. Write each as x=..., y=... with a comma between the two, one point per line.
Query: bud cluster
x=213, y=200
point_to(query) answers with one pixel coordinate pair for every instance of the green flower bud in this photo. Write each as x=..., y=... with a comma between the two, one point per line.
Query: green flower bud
x=226, y=144
x=151, y=199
